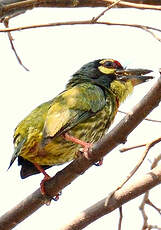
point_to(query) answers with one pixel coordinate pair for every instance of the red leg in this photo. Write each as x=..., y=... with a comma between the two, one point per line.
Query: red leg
x=86, y=146
x=46, y=177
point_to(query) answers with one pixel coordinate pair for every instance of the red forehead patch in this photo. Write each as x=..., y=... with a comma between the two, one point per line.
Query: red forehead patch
x=118, y=65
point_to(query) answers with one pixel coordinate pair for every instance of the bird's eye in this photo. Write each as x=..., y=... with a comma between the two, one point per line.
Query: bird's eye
x=112, y=64
x=108, y=64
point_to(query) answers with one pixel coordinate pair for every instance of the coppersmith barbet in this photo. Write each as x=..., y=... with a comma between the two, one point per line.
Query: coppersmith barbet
x=50, y=134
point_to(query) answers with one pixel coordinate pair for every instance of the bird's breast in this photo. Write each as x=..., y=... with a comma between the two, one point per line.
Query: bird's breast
x=57, y=150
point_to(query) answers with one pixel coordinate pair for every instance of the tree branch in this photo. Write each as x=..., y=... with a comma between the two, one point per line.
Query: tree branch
x=120, y=197
x=146, y=119
x=6, y=23
x=79, y=166
x=12, y=7
x=139, y=5
x=148, y=146
x=83, y=22
x=147, y=201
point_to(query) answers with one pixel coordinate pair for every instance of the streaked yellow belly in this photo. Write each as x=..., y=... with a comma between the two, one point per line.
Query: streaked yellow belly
x=58, y=151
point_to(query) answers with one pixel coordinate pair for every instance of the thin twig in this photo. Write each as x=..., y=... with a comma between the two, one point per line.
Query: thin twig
x=146, y=200
x=132, y=147
x=142, y=209
x=6, y=23
x=153, y=34
x=99, y=209
x=120, y=219
x=154, y=206
x=137, y=5
x=147, y=119
x=136, y=146
x=148, y=147
x=155, y=162
x=82, y=22
x=95, y=19
x=156, y=227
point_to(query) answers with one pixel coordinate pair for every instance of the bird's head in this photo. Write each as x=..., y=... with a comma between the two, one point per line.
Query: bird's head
x=110, y=74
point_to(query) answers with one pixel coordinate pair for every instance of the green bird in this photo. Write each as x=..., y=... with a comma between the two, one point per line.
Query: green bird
x=54, y=132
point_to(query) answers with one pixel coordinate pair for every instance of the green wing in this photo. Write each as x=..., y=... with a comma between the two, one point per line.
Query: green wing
x=72, y=107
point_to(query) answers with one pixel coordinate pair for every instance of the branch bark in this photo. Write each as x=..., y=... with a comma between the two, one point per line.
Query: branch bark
x=11, y=8
x=120, y=197
x=63, y=178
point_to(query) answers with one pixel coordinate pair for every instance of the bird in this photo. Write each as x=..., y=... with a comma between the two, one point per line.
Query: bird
x=55, y=131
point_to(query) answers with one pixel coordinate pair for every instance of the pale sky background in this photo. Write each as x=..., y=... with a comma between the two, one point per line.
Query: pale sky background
x=53, y=55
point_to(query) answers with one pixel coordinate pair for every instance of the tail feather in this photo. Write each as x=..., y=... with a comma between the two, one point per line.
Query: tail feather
x=28, y=168
x=17, y=152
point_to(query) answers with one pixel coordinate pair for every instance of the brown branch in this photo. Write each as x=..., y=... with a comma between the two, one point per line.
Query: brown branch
x=147, y=201
x=151, y=144
x=152, y=205
x=153, y=34
x=144, y=215
x=94, y=20
x=83, y=22
x=120, y=197
x=113, y=3
x=137, y=166
x=98, y=210
x=155, y=162
x=12, y=7
x=76, y=168
x=137, y=5
x=148, y=147
x=132, y=147
x=142, y=209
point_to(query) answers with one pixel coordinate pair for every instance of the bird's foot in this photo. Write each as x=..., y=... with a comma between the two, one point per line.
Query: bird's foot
x=56, y=198
x=86, y=146
x=99, y=163
x=42, y=185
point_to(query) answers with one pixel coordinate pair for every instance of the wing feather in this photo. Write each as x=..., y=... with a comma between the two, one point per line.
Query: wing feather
x=72, y=107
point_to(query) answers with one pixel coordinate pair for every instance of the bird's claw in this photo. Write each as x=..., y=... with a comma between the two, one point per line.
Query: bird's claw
x=99, y=163
x=42, y=187
x=87, y=150
x=56, y=198
x=86, y=147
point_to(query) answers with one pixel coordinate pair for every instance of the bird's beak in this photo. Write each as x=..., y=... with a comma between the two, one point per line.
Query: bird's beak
x=136, y=76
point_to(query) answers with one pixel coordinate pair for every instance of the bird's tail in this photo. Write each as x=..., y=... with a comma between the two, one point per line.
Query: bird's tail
x=16, y=152
x=28, y=168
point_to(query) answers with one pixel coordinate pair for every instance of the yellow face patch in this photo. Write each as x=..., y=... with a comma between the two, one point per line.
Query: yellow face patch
x=104, y=69
x=122, y=89
x=105, y=60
